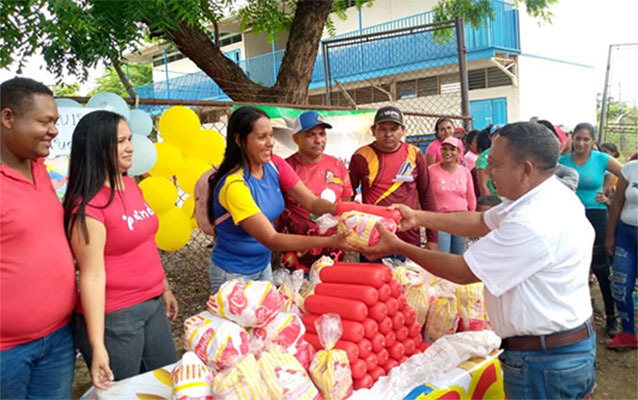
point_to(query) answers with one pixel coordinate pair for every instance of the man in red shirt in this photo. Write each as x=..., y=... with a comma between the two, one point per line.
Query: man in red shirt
x=391, y=171
x=37, y=275
x=324, y=175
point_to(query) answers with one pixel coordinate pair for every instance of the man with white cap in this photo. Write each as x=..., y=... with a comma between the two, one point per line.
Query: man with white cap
x=324, y=175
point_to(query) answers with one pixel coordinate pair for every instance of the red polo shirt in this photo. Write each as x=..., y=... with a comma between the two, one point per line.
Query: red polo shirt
x=37, y=275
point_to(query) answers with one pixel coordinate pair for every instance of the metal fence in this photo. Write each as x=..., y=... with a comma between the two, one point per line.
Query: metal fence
x=420, y=69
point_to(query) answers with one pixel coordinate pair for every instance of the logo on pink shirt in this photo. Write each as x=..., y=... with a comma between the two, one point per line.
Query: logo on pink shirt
x=138, y=215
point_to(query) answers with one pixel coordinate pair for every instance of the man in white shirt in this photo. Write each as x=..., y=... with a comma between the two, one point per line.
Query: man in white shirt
x=533, y=258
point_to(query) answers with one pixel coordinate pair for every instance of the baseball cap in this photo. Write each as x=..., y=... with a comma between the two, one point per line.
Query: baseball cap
x=452, y=141
x=389, y=113
x=309, y=119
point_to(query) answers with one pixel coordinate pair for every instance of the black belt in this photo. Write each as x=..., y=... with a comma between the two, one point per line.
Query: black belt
x=552, y=341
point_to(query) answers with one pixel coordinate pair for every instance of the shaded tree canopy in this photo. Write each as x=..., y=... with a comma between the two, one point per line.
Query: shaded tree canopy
x=75, y=35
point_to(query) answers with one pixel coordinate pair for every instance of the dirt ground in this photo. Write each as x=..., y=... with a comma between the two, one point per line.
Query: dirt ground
x=616, y=372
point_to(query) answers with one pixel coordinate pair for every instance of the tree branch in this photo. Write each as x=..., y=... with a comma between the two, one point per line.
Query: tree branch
x=127, y=84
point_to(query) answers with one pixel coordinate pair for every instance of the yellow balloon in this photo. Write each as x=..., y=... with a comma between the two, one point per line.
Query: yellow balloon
x=209, y=145
x=189, y=172
x=187, y=140
x=168, y=161
x=188, y=207
x=174, y=230
x=160, y=193
x=178, y=122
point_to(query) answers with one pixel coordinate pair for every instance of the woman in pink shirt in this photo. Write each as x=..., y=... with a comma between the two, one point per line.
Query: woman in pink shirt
x=121, y=324
x=443, y=129
x=452, y=187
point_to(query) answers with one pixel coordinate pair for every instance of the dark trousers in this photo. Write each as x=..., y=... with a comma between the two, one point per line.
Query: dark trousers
x=600, y=260
x=137, y=338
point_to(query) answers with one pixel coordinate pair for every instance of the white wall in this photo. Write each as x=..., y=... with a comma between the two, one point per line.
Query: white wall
x=175, y=69
x=380, y=12
x=559, y=92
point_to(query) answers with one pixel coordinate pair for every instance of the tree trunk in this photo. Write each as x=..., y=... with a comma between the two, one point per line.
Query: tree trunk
x=301, y=51
x=127, y=84
x=296, y=68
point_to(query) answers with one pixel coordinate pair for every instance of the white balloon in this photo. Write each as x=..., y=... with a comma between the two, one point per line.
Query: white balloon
x=63, y=103
x=144, y=155
x=111, y=102
x=140, y=122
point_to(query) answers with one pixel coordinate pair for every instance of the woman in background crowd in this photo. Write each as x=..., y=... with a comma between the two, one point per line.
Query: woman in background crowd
x=452, y=187
x=591, y=166
x=622, y=243
x=443, y=129
x=483, y=143
x=121, y=325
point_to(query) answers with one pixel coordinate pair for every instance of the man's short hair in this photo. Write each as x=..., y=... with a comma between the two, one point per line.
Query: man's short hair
x=532, y=141
x=17, y=94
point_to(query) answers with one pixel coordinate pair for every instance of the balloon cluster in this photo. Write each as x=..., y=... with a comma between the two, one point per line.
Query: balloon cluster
x=186, y=153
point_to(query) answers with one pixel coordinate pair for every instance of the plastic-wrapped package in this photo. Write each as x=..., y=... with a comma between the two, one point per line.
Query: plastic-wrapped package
x=304, y=353
x=315, y=268
x=192, y=379
x=362, y=227
x=442, y=356
x=290, y=288
x=330, y=368
x=442, y=319
x=471, y=307
x=216, y=341
x=419, y=298
x=284, y=377
x=242, y=382
x=407, y=276
x=250, y=304
x=285, y=330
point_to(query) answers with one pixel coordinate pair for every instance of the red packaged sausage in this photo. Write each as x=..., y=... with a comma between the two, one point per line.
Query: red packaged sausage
x=371, y=361
x=398, y=321
x=347, y=309
x=364, y=383
x=359, y=369
x=366, y=294
x=370, y=327
x=376, y=373
x=389, y=365
x=378, y=343
x=392, y=305
x=397, y=351
x=358, y=275
x=384, y=292
x=385, y=326
x=352, y=330
x=378, y=312
x=402, y=333
x=390, y=339
x=365, y=348
x=383, y=356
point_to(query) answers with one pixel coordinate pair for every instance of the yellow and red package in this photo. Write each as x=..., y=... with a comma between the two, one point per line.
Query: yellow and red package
x=316, y=267
x=471, y=307
x=216, y=341
x=191, y=379
x=285, y=330
x=242, y=382
x=284, y=377
x=442, y=319
x=330, y=368
x=419, y=298
x=407, y=277
x=362, y=227
x=304, y=352
x=250, y=304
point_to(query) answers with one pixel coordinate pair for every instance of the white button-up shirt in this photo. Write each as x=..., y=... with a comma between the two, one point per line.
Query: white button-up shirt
x=535, y=262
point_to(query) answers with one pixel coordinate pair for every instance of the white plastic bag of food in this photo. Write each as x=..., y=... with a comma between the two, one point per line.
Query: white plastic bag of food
x=250, y=304
x=284, y=377
x=284, y=330
x=191, y=379
x=361, y=227
x=216, y=341
x=241, y=382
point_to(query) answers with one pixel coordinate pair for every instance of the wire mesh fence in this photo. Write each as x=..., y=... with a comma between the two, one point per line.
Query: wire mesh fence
x=420, y=69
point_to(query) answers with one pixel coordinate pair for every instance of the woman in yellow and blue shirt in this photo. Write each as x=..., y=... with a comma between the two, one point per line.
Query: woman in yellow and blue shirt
x=246, y=195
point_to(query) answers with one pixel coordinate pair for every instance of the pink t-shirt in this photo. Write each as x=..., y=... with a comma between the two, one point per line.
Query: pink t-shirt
x=37, y=275
x=470, y=160
x=134, y=270
x=434, y=149
x=453, y=191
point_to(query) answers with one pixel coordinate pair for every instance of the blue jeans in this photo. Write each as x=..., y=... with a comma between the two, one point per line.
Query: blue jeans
x=566, y=372
x=449, y=243
x=137, y=338
x=40, y=369
x=218, y=276
x=623, y=274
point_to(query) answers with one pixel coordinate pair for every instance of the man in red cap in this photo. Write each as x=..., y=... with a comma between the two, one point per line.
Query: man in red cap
x=325, y=176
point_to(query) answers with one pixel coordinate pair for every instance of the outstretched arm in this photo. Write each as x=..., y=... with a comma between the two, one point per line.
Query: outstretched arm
x=465, y=223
